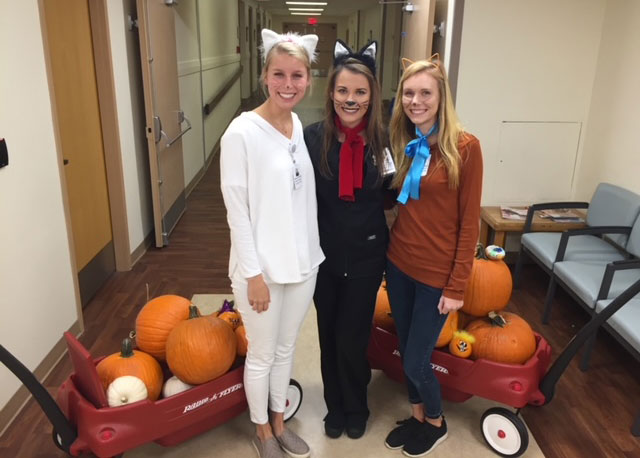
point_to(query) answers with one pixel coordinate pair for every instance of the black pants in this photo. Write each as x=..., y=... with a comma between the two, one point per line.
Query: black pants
x=345, y=310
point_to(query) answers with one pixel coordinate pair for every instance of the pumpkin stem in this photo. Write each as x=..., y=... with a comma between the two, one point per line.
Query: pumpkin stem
x=480, y=254
x=497, y=320
x=193, y=312
x=126, y=350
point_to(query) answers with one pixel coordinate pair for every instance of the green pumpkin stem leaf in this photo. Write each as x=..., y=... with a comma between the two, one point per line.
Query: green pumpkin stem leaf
x=193, y=312
x=126, y=350
x=497, y=320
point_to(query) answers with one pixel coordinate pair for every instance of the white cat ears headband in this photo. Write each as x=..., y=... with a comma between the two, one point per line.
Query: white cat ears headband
x=271, y=38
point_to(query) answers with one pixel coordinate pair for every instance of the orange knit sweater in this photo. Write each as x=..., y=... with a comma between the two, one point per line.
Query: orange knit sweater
x=433, y=239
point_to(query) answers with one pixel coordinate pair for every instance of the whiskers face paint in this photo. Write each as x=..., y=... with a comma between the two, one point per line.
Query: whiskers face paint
x=351, y=97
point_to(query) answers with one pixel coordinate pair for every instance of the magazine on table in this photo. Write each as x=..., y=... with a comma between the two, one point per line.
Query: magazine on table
x=516, y=213
x=562, y=215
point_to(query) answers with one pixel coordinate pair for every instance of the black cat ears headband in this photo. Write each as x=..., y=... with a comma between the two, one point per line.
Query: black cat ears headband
x=367, y=55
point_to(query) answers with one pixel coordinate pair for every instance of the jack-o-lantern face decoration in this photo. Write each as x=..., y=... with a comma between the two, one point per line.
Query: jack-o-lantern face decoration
x=460, y=344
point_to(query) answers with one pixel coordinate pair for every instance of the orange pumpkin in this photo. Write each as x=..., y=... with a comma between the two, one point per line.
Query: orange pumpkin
x=243, y=343
x=382, y=314
x=503, y=337
x=156, y=320
x=489, y=287
x=447, y=329
x=134, y=363
x=200, y=349
x=461, y=344
x=230, y=315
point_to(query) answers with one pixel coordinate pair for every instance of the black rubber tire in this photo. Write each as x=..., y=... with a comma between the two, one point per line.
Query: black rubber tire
x=514, y=420
x=290, y=412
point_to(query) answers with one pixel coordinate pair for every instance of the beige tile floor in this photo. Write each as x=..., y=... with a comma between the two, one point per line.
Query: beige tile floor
x=387, y=404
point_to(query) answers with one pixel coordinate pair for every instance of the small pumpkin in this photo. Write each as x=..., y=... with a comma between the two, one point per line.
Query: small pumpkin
x=382, y=315
x=447, y=329
x=131, y=362
x=503, y=337
x=200, y=349
x=243, y=343
x=461, y=344
x=156, y=320
x=125, y=390
x=228, y=314
x=494, y=252
x=489, y=286
x=174, y=385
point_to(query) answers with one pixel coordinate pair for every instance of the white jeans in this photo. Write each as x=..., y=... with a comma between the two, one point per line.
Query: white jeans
x=272, y=337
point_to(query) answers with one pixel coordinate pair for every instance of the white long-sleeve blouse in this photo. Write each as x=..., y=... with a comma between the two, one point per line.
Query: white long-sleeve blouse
x=274, y=226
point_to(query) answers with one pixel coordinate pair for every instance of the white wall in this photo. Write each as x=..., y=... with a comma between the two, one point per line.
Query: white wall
x=37, y=294
x=532, y=63
x=127, y=77
x=611, y=152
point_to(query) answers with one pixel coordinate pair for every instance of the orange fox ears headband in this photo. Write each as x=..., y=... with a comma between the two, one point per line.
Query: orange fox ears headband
x=433, y=59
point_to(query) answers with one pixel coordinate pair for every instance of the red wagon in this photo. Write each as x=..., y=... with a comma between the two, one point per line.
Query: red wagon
x=83, y=421
x=532, y=383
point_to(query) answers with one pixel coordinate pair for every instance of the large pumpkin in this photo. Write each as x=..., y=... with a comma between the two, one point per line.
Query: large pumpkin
x=489, y=287
x=503, y=337
x=156, y=320
x=449, y=327
x=131, y=362
x=200, y=349
x=382, y=314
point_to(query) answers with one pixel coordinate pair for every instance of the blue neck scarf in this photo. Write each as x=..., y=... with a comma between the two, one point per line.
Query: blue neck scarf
x=420, y=151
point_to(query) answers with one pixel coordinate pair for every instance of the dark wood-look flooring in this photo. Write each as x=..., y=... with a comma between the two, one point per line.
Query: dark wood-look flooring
x=590, y=415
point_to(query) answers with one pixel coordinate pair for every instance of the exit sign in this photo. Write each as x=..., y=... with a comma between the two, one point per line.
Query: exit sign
x=312, y=21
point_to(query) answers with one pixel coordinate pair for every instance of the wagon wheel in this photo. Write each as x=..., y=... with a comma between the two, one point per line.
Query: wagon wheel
x=294, y=399
x=504, y=432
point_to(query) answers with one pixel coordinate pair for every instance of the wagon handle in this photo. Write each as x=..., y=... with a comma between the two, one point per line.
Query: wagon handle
x=61, y=425
x=548, y=383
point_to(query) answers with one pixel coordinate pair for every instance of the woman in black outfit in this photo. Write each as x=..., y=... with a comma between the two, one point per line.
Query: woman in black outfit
x=353, y=170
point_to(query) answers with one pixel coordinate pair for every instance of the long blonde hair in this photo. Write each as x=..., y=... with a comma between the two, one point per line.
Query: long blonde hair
x=449, y=131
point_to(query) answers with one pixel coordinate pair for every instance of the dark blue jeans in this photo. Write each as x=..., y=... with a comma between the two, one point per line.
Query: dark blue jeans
x=414, y=307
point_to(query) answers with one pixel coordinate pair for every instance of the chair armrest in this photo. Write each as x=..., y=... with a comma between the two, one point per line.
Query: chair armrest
x=549, y=206
x=609, y=272
x=594, y=230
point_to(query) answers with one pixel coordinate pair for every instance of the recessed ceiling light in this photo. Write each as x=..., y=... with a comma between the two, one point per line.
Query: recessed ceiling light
x=307, y=3
x=305, y=14
x=306, y=9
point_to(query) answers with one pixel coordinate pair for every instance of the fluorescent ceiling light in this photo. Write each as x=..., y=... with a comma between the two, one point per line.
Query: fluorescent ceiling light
x=307, y=3
x=305, y=14
x=306, y=9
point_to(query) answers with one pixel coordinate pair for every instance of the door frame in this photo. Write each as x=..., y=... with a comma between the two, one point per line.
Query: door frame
x=98, y=17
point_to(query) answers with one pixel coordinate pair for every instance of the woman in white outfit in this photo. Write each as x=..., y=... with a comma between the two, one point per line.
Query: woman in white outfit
x=268, y=187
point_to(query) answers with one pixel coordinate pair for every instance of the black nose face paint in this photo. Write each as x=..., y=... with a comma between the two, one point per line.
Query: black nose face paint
x=350, y=103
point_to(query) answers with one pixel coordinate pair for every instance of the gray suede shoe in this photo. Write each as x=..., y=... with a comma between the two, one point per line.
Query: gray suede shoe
x=267, y=449
x=293, y=444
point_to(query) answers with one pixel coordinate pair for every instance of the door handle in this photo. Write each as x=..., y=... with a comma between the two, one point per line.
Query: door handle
x=181, y=118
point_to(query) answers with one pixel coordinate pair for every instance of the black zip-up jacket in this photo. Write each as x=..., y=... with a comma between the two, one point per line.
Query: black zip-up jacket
x=353, y=235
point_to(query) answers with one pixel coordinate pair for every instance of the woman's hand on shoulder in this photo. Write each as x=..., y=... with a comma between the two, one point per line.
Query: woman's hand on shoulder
x=258, y=293
x=447, y=305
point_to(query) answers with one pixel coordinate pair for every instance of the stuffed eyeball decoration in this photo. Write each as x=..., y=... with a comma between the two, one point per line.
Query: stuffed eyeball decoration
x=494, y=252
x=125, y=390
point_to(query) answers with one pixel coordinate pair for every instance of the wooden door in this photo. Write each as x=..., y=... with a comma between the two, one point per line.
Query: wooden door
x=327, y=35
x=77, y=113
x=418, y=30
x=165, y=121
x=252, y=34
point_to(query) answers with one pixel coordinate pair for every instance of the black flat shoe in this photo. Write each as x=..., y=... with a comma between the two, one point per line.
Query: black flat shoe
x=356, y=429
x=333, y=431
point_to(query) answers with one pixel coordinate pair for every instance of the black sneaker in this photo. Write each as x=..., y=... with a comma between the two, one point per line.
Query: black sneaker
x=333, y=431
x=426, y=440
x=401, y=434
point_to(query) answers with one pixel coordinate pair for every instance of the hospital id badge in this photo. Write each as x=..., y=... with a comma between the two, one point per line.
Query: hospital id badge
x=426, y=167
x=297, y=178
x=388, y=167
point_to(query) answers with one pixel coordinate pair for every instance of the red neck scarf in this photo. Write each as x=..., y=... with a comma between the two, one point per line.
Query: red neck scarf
x=351, y=159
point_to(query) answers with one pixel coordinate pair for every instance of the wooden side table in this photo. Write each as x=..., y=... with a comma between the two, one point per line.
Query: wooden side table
x=494, y=228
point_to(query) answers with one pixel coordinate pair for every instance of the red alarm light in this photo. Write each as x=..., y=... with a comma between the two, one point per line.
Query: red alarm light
x=312, y=21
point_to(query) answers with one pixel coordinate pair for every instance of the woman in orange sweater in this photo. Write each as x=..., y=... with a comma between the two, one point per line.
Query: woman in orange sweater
x=432, y=243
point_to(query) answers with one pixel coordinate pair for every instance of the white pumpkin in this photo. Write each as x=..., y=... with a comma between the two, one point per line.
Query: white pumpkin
x=125, y=390
x=494, y=252
x=174, y=386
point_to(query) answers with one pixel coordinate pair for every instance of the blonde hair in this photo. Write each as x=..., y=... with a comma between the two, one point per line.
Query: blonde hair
x=449, y=128
x=288, y=48
x=374, y=131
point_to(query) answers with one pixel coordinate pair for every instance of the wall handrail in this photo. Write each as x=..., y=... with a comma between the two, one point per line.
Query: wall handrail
x=215, y=100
